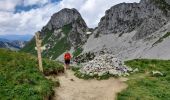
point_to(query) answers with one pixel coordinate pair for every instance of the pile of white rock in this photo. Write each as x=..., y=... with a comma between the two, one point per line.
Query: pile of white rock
x=105, y=64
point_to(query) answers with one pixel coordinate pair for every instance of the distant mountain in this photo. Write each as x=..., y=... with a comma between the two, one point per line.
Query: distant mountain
x=16, y=37
x=4, y=40
x=12, y=45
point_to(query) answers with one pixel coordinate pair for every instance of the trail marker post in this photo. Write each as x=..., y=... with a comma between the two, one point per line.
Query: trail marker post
x=39, y=50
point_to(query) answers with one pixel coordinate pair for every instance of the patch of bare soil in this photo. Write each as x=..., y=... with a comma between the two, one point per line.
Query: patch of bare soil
x=73, y=88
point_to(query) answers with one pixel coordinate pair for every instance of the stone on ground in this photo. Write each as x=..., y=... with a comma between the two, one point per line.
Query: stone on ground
x=105, y=64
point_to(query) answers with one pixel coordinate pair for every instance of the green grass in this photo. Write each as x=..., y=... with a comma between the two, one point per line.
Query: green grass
x=60, y=47
x=162, y=38
x=30, y=47
x=47, y=36
x=143, y=86
x=66, y=29
x=77, y=52
x=87, y=77
x=20, y=78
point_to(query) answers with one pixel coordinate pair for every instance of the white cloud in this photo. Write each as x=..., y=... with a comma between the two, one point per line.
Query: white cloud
x=33, y=20
x=93, y=10
x=8, y=5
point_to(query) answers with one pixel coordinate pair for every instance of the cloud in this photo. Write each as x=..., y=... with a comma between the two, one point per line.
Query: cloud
x=8, y=5
x=93, y=10
x=28, y=22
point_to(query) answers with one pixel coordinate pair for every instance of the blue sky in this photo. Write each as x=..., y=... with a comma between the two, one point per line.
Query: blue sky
x=21, y=7
x=25, y=17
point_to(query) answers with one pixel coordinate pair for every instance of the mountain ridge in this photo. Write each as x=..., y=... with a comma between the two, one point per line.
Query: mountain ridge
x=127, y=30
x=65, y=30
x=12, y=44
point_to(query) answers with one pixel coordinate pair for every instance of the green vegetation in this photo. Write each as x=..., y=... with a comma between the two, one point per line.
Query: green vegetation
x=48, y=34
x=77, y=52
x=52, y=67
x=163, y=5
x=66, y=29
x=20, y=78
x=30, y=47
x=86, y=76
x=162, y=38
x=143, y=86
x=61, y=45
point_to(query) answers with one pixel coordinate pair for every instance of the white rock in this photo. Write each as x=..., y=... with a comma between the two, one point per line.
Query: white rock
x=106, y=63
x=101, y=73
x=136, y=70
x=113, y=72
x=157, y=73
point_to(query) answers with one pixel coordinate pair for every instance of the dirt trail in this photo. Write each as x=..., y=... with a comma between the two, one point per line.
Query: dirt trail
x=80, y=89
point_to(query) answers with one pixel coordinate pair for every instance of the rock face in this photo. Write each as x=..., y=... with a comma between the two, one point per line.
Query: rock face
x=64, y=17
x=72, y=17
x=105, y=64
x=145, y=17
x=65, y=30
x=128, y=31
x=18, y=43
x=131, y=30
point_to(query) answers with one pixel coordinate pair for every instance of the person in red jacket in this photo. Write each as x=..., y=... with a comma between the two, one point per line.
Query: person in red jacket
x=67, y=57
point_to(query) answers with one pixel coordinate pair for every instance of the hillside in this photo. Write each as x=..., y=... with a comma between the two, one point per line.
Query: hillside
x=20, y=78
x=144, y=84
x=128, y=30
x=132, y=30
x=65, y=30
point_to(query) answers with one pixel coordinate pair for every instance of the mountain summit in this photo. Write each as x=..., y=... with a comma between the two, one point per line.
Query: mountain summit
x=133, y=30
x=65, y=29
x=128, y=30
x=145, y=17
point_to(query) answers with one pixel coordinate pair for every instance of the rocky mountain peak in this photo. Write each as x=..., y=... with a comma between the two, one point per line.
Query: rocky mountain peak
x=145, y=17
x=65, y=30
x=64, y=17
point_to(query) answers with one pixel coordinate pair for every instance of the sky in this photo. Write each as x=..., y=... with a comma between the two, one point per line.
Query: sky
x=25, y=17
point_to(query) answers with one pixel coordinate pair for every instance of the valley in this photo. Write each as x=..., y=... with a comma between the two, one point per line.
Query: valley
x=126, y=57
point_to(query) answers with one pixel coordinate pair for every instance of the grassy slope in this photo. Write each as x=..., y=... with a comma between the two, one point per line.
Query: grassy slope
x=20, y=78
x=29, y=47
x=143, y=86
x=60, y=47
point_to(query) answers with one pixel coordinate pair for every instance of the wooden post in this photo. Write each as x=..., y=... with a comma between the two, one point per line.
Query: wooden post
x=38, y=45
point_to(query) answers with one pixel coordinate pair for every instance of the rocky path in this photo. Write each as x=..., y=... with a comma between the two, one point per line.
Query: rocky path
x=73, y=88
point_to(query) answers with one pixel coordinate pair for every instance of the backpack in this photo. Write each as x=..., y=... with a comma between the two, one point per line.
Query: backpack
x=67, y=56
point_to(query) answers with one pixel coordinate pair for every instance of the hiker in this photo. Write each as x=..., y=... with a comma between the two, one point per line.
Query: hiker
x=67, y=57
